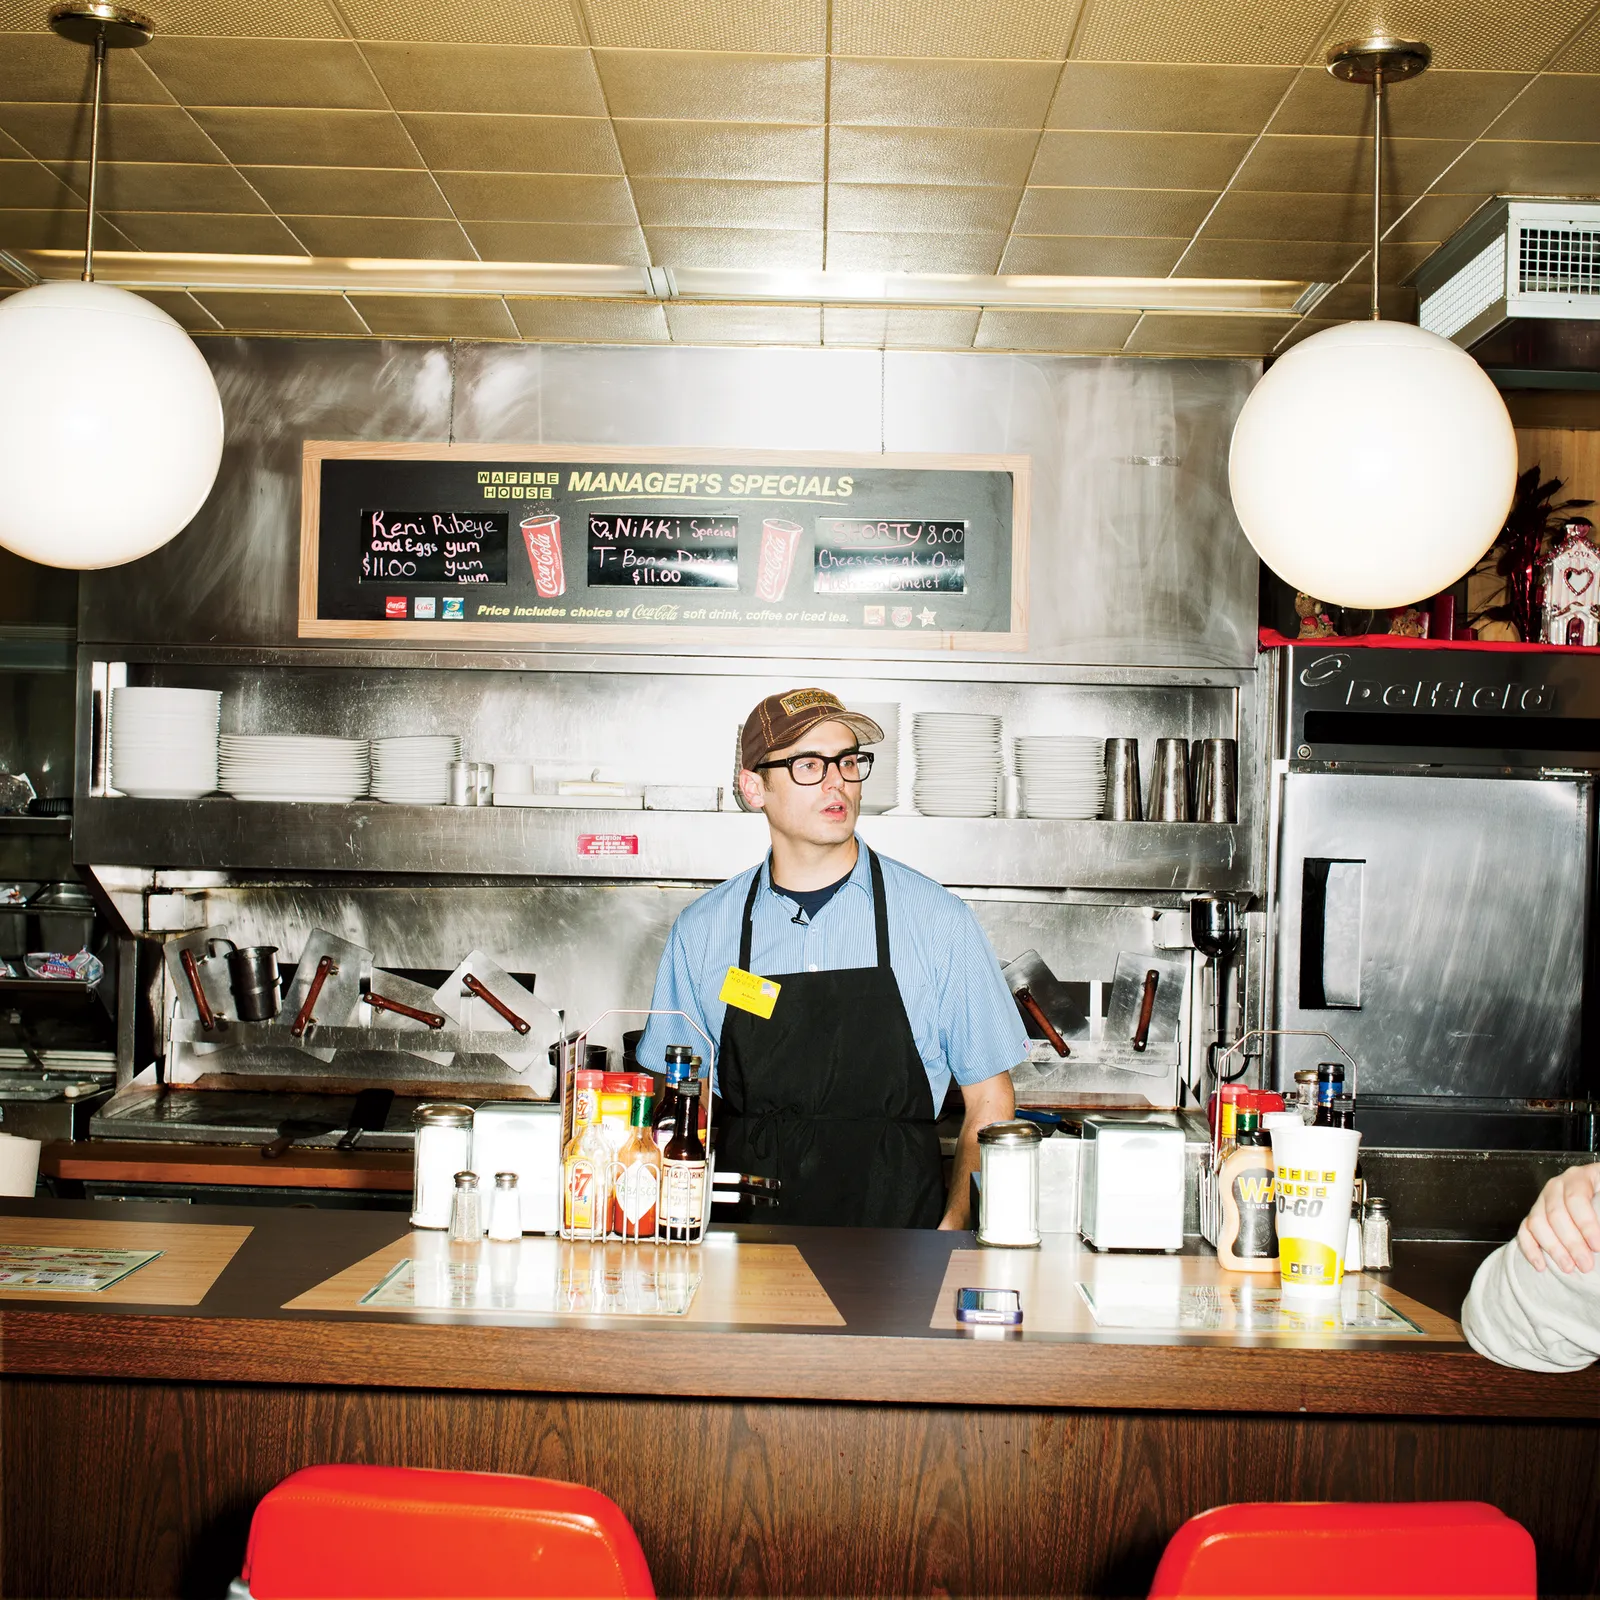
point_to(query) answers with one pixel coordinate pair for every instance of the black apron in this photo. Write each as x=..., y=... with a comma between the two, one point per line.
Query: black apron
x=829, y=1095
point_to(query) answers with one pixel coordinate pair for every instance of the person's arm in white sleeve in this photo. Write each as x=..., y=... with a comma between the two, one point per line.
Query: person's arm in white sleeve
x=1525, y=1309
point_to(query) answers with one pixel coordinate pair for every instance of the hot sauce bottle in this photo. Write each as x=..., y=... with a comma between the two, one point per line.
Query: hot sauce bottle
x=585, y=1163
x=637, y=1186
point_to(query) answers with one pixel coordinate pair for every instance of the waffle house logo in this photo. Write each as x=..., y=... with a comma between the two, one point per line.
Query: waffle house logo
x=1254, y=1188
x=1303, y=1191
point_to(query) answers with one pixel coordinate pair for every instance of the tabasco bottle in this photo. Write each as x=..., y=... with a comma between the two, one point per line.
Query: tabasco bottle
x=683, y=1170
x=585, y=1164
x=637, y=1176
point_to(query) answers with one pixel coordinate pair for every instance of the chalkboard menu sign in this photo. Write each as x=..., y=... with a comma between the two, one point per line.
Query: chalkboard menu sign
x=483, y=543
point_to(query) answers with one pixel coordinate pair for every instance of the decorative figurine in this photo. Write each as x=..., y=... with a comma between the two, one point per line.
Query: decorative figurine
x=1315, y=622
x=1408, y=622
x=1571, y=574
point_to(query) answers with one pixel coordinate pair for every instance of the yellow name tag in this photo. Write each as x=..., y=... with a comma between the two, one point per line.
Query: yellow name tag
x=750, y=993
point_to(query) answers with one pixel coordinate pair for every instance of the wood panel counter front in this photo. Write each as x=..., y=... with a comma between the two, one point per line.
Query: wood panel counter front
x=813, y=1424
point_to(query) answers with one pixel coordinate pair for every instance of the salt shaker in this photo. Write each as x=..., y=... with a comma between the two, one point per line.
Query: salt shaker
x=1375, y=1246
x=443, y=1148
x=466, y=1214
x=1008, y=1185
x=505, y=1208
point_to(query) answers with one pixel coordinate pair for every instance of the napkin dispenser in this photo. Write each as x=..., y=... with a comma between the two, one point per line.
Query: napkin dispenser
x=1132, y=1183
x=523, y=1137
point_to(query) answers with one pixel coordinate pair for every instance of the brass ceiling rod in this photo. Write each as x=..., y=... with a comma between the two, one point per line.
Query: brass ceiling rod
x=1379, y=60
x=102, y=26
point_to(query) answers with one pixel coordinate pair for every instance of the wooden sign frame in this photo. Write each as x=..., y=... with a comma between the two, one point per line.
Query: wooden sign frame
x=313, y=626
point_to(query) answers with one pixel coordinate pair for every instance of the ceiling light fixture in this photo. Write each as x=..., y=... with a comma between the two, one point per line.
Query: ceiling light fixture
x=1375, y=462
x=225, y=274
x=110, y=423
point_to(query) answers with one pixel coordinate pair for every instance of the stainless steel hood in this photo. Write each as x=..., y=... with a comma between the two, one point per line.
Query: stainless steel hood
x=1519, y=287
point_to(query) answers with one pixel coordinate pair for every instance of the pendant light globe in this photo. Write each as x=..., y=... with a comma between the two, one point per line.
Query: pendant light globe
x=1373, y=465
x=110, y=426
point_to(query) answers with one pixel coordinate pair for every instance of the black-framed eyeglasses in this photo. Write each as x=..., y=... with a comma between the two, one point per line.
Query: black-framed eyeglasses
x=809, y=768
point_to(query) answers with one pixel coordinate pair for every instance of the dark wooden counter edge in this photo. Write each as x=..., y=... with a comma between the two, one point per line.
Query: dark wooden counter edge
x=771, y=1365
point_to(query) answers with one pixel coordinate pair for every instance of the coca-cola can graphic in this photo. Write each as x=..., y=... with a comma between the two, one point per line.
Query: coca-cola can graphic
x=779, y=541
x=542, y=535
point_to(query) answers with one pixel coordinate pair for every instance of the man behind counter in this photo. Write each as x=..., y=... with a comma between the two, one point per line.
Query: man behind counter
x=886, y=989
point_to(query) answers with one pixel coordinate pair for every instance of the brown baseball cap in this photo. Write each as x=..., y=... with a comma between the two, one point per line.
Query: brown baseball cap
x=781, y=719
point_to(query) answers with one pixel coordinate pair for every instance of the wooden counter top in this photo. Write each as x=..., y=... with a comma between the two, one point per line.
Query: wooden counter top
x=886, y=1289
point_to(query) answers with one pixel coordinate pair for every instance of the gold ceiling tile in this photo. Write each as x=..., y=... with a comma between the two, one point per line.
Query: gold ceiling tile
x=1114, y=213
x=39, y=66
x=283, y=313
x=184, y=309
x=1206, y=336
x=1153, y=97
x=55, y=230
x=660, y=149
x=1020, y=30
x=1086, y=333
x=536, y=197
x=1496, y=166
x=722, y=87
x=10, y=150
x=589, y=321
x=1092, y=258
x=1334, y=165
x=931, y=155
x=1138, y=160
x=920, y=208
x=1438, y=105
x=248, y=19
x=1352, y=301
x=1304, y=329
x=556, y=241
x=278, y=137
x=162, y=186
x=735, y=247
x=523, y=79
x=208, y=233
x=265, y=72
x=435, y=316
x=1281, y=32
x=718, y=203
x=536, y=22
x=899, y=327
x=1432, y=217
x=25, y=184
x=1584, y=53
x=941, y=94
x=721, y=324
x=386, y=237
x=1487, y=35
x=1271, y=258
x=1558, y=106
x=469, y=143
x=910, y=252
x=780, y=27
x=348, y=192
x=1248, y=214
x=127, y=133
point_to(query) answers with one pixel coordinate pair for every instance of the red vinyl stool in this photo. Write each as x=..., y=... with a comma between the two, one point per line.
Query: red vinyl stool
x=402, y=1533
x=1316, y=1550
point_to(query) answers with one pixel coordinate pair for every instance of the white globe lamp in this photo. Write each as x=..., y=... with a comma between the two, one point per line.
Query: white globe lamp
x=110, y=421
x=1375, y=462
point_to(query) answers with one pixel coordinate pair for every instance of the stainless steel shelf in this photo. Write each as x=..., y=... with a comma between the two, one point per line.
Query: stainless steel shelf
x=369, y=837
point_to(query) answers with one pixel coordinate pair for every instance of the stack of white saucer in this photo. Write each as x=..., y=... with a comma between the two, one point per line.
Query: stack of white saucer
x=958, y=763
x=1060, y=777
x=292, y=767
x=414, y=769
x=164, y=742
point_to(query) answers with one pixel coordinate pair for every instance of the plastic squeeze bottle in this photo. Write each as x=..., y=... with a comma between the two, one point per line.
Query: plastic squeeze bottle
x=1247, y=1241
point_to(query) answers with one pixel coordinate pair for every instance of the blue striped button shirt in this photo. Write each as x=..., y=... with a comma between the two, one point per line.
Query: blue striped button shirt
x=962, y=1016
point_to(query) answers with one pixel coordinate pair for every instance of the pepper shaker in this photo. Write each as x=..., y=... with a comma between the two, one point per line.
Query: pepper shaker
x=466, y=1212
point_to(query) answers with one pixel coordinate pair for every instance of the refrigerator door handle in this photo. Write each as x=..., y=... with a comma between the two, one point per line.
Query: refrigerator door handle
x=1330, y=934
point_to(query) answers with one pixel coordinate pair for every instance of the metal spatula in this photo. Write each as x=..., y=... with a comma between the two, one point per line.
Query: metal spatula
x=326, y=991
x=1145, y=1008
x=481, y=994
x=388, y=991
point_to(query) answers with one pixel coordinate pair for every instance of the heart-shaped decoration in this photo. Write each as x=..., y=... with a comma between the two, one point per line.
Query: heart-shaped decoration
x=1578, y=581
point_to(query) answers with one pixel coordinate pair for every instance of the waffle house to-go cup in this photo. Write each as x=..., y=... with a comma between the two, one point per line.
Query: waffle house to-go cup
x=1315, y=1171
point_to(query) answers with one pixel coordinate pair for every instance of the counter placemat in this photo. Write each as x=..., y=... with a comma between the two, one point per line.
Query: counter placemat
x=1066, y=1288
x=721, y=1281
x=177, y=1262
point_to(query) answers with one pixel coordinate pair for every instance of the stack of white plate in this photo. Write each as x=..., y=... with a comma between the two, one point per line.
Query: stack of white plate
x=292, y=767
x=1061, y=777
x=164, y=742
x=958, y=763
x=881, y=792
x=414, y=769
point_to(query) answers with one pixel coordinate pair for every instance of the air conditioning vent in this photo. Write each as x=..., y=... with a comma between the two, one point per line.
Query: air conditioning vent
x=1558, y=261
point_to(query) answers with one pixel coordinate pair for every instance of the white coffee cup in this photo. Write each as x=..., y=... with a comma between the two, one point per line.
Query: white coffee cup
x=1314, y=1175
x=513, y=777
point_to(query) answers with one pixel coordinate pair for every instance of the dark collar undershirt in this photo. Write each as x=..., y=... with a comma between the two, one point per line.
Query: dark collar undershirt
x=809, y=901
